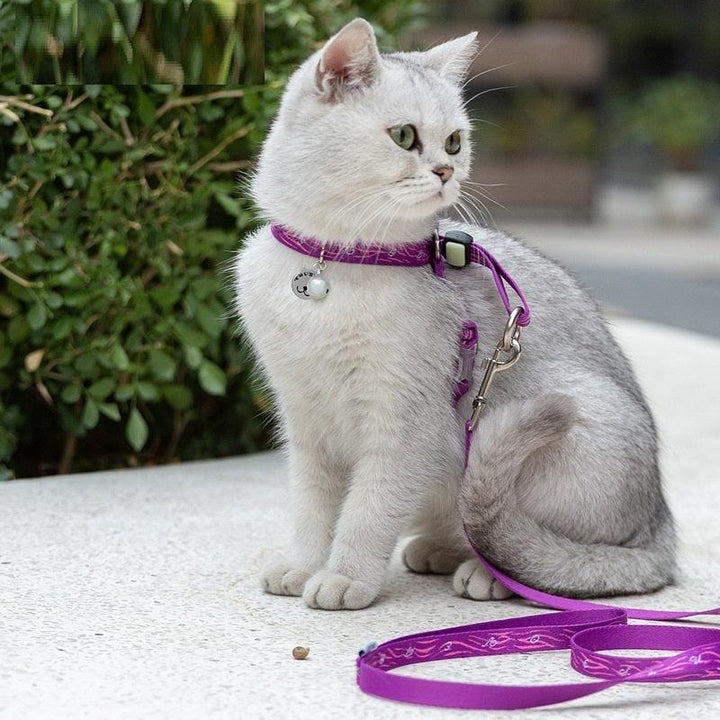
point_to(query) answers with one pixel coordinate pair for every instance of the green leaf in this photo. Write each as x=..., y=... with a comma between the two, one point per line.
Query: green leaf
x=148, y=391
x=9, y=247
x=45, y=142
x=54, y=300
x=120, y=358
x=193, y=356
x=69, y=422
x=125, y=392
x=90, y=415
x=228, y=204
x=178, y=396
x=188, y=336
x=62, y=328
x=162, y=365
x=208, y=320
x=71, y=393
x=37, y=316
x=18, y=330
x=102, y=388
x=136, y=430
x=212, y=378
x=203, y=286
x=165, y=297
x=111, y=411
x=145, y=109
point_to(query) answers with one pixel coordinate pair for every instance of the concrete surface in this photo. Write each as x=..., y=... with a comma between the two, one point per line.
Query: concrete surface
x=134, y=594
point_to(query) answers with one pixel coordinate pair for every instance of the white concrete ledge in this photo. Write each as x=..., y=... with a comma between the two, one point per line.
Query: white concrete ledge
x=135, y=594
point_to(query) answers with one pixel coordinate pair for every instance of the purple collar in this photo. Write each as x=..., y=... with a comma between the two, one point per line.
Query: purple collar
x=414, y=254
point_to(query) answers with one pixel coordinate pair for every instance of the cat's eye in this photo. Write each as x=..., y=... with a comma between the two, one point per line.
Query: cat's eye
x=404, y=135
x=452, y=144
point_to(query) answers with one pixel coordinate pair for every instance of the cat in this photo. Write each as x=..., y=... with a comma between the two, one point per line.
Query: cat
x=562, y=490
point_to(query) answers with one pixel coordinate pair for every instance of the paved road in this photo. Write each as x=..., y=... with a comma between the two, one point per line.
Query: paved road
x=671, y=299
x=666, y=275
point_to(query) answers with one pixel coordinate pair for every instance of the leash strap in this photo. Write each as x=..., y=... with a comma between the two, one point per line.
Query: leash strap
x=586, y=633
x=557, y=602
x=480, y=255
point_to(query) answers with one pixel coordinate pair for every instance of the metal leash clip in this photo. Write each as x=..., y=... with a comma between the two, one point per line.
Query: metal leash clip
x=509, y=346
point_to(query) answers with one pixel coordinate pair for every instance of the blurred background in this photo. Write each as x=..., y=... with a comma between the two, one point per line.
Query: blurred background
x=125, y=126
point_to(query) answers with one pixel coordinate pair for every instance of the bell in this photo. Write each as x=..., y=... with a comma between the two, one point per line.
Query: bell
x=318, y=287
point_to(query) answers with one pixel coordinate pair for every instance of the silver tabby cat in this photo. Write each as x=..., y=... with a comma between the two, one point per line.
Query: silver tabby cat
x=563, y=490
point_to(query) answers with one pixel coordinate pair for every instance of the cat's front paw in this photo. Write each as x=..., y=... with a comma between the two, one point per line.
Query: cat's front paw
x=329, y=591
x=424, y=556
x=281, y=577
x=472, y=580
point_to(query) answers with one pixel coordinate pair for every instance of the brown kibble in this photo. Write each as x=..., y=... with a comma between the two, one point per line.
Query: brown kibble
x=300, y=653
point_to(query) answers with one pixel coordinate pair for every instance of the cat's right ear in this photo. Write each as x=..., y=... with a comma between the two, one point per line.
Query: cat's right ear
x=349, y=61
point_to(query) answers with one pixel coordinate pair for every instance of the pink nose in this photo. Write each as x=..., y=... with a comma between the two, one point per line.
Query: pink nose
x=444, y=172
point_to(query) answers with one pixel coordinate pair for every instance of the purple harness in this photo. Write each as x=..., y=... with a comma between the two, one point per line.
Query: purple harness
x=585, y=628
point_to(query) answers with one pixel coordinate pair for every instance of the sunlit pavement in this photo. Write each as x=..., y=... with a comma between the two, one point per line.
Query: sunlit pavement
x=135, y=594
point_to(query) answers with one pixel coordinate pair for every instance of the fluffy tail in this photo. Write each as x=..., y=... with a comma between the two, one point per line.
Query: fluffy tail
x=510, y=538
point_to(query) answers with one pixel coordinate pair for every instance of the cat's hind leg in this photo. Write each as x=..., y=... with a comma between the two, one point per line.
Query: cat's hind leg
x=569, y=502
x=473, y=581
x=424, y=555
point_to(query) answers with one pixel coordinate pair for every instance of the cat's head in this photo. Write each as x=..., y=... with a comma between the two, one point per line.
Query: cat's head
x=367, y=145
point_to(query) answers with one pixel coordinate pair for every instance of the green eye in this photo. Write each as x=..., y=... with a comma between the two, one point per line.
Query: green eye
x=452, y=144
x=404, y=136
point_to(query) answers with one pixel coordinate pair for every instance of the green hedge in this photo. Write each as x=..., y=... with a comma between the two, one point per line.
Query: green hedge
x=119, y=217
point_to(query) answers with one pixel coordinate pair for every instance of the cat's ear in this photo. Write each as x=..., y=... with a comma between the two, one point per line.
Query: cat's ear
x=453, y=58
x=349, y=61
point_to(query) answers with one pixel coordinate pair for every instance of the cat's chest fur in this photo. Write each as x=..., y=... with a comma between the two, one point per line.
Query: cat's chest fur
x=383, y=338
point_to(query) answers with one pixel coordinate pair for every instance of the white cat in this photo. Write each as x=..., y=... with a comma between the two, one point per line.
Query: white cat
x=562, y=489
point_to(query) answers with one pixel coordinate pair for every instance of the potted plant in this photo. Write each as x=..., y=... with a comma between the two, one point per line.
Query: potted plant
x=680, y=115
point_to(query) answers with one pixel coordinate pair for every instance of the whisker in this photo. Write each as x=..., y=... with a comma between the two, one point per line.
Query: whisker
x=489, y=42
x=357, y=199
x=485, y=92
x=391, y=219
x=472, y=182
x=484, y=72
x=371, y=218
x=474, y=203
x=462, y=211
x=487, y=122
x=487, y=196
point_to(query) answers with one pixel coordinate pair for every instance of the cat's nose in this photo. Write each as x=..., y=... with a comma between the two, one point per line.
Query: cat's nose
x=444, y=172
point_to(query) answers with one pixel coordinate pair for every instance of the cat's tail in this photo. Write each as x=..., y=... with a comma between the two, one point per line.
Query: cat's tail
x=525, y=549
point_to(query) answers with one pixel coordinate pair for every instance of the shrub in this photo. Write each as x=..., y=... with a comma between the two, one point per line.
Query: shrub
x=118, y=213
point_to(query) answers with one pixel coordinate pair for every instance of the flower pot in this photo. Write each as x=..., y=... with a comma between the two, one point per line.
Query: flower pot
x=685, y=198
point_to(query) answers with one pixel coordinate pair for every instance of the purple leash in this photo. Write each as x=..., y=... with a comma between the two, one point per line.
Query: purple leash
x=586, y=629
x=586, y=633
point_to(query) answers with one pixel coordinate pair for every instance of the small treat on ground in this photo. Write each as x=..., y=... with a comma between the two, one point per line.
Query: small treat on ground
x=300, y=653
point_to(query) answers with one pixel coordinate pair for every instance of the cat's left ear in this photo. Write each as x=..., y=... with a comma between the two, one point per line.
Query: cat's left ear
x=453, y=58
x=350, y=60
